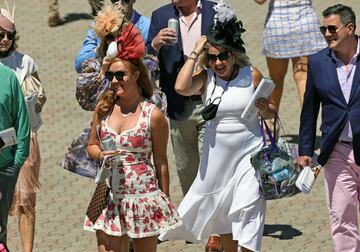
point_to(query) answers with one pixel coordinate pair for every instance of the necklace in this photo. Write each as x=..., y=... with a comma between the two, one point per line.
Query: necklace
x=130, y=113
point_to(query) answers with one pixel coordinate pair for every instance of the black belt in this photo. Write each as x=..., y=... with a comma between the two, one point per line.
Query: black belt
x=346, y=142
x=195, y=98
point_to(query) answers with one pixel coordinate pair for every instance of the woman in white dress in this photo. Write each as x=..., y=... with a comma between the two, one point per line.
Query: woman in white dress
x=224, y=198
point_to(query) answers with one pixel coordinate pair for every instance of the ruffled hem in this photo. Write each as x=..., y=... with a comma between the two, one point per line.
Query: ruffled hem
x=27, y=184
x=137, y=217
x=237, y=209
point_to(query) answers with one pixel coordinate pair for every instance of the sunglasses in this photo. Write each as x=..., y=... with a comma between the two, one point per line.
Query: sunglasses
x=119, y=75
x=122, y=1
x=110, y=37
x=221, y=56
x=331, y=28
x=10, y=36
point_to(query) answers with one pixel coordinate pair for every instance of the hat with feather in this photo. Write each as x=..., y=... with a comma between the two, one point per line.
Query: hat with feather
x=226, y=30
x=7, y=19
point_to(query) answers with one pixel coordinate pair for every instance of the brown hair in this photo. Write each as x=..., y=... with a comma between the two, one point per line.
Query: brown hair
x=107, y=101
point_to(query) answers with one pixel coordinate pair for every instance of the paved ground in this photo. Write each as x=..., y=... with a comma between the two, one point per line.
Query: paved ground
x=296, y=224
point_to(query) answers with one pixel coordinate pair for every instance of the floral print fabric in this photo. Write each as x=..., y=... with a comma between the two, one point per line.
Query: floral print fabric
x=137, y=207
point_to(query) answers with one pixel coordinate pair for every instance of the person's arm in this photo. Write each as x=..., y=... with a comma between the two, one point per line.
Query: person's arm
x=187, y=82
x=87, y=50
x=159, y=137
x=308, y=119
x=21, y=123
x=266, y=107
x=93, y=149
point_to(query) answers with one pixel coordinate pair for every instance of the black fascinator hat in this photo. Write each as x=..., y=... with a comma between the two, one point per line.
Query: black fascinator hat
x=226, y=30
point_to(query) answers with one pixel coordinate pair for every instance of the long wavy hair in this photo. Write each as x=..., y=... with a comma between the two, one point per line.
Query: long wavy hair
x=107, y=101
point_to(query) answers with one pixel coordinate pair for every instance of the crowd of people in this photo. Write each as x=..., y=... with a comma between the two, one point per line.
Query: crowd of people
x=203, y=69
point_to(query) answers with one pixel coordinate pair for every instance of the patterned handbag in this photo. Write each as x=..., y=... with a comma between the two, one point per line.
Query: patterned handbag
x=76, y=158
x=276, y=166
x=98, y=201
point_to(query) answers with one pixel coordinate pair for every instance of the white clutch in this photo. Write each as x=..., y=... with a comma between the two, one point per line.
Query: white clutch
x=307, y=177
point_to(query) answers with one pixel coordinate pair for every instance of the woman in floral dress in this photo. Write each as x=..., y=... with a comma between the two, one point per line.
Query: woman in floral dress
x=133, y=136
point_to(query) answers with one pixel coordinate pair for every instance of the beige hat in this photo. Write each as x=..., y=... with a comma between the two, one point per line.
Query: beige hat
x=7, y=20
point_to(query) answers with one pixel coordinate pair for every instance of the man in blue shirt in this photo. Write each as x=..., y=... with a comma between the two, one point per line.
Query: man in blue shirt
x=91, y=41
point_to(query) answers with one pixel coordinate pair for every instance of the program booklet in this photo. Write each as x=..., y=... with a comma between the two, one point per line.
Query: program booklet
x=35, y=118
x=263, y=90
x=8, y=137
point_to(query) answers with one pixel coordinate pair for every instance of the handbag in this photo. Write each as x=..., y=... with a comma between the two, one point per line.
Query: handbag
x=90, y=84
x=275, y=165
x=32, y=85
x=210, y=110
x=77, y=160
x=98, y=201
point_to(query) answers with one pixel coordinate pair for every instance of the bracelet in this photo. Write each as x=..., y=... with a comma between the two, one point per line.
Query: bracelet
x=98, y=156
x=196, y=54
x=193, y=58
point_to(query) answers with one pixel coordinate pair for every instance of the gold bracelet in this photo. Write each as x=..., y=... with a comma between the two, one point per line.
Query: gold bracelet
x=196, y=54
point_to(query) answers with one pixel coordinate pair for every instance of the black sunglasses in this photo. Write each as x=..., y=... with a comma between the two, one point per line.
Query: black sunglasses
x=10, y=36
x=110, y=37
x=221, y=56
x=119, y=75
x=331, y=28
x=123, y=1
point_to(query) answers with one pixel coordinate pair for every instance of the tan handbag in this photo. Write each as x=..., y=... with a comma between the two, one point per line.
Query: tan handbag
x=31, y=85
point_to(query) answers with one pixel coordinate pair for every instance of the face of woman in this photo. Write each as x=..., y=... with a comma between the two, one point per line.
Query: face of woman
x=221, y=61
x=6, y=40
x=123, y=81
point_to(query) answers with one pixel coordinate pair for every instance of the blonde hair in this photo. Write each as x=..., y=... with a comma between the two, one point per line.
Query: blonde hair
x=111, y=19
x=241, y=59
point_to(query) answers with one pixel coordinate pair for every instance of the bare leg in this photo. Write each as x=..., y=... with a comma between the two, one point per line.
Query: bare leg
x=300, y=75
x=27, y=229
x=147, y=244
x=277, y=71
x=108, y=243
x=229, y=245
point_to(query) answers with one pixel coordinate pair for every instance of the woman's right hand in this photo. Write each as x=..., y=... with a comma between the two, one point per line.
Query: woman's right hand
x=109, y=157
x=199, y=45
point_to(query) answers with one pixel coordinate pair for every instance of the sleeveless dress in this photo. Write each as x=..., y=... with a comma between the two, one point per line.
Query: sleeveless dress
x=136, y=207
x=224, y=197
x=292, y=29
x=27, y=184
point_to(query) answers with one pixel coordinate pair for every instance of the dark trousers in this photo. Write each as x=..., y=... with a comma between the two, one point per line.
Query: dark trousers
x=8, y=177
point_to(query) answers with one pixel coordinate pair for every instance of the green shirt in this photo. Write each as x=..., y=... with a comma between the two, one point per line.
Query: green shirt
x=13, y=113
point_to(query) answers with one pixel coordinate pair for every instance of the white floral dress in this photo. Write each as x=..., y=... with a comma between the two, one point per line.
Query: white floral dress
x=136, y=207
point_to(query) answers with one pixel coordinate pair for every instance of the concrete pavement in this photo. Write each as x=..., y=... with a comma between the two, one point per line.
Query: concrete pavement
x=296, y=224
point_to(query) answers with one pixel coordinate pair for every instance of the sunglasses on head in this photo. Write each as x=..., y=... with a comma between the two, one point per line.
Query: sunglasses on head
x=221, y=56
x=119, y=75
x=10, y=36
x=331, y=28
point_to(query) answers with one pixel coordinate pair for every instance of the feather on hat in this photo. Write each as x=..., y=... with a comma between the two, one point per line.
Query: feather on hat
x=226, y=30
x=7, y=19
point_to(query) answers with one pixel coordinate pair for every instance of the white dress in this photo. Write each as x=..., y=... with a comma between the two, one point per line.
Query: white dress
x=224, y=197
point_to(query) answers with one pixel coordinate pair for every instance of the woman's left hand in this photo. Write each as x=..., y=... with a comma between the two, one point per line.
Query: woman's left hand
x=264, y=108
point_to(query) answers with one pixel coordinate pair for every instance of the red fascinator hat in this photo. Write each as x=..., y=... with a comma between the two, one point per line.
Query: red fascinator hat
x=130, y=43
